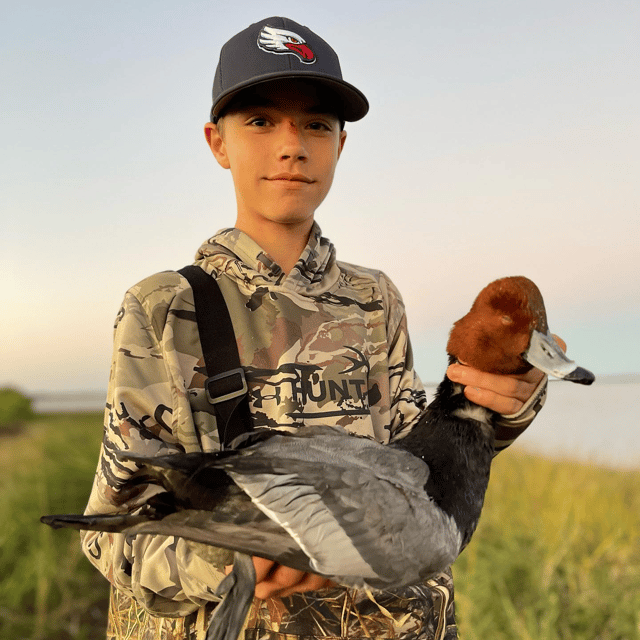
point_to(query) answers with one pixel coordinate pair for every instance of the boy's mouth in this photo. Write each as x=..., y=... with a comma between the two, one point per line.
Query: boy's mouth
x=291, y=177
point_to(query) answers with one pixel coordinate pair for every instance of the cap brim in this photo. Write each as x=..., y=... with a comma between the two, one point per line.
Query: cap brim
x=354, y=105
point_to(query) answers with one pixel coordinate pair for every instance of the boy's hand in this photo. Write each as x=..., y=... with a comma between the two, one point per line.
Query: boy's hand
x=274, y=579
x=502, y=393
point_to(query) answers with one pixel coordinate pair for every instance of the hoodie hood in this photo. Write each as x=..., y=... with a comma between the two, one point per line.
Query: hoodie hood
x=234, y=253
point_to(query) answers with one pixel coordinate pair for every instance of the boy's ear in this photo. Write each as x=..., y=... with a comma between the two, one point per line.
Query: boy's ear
x=343, y=138
x=216, y=144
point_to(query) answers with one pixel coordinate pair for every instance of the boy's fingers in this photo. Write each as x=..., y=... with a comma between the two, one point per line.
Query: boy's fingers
x=285, y=576
x=502, y=404
x=561, y=342
x=309, y=582
x=263, y=567
x=517, y=387
x=279, y=579
x=273, y=579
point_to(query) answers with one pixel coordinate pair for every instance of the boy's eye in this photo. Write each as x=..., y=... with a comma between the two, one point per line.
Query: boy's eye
x=319, y=126
x=258, y=122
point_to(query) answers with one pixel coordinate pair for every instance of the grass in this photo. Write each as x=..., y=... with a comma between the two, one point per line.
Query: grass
x=556, y=555
x=48, y=589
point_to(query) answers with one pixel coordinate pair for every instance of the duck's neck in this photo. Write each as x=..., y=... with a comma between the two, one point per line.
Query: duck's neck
x=455, y=439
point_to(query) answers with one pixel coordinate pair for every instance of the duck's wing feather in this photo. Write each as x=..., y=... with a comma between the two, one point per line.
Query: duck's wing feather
x=262, y=538
x=356, y=508
x=113, y=523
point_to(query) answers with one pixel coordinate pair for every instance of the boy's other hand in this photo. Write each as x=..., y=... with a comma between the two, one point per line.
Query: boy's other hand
x=502, y=393
x=276, y=580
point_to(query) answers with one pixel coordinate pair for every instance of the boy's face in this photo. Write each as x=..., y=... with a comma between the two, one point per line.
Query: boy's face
x=282, y=150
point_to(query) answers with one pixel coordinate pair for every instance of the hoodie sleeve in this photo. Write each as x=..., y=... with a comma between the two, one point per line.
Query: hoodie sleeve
x=509, y=427
x=147, y=413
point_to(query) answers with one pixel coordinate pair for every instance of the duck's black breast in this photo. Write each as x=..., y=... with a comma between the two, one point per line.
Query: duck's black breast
x=454, y=438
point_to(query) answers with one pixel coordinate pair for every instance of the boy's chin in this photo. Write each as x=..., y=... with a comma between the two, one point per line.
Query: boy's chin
x=291, y=218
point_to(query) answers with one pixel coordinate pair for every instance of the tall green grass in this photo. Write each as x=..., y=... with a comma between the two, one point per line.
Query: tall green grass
x=556, y=555
x=47, y=588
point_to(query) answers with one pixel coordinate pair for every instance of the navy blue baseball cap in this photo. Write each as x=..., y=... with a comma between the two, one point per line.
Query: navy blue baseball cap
x=277, y=48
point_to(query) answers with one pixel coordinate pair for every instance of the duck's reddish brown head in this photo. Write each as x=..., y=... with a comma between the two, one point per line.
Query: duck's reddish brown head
x=497, y=330
x=506, y=332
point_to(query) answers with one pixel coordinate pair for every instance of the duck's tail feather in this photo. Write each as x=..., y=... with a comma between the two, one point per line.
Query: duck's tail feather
x=237, y=591
x=111, y=523
x=155, y=509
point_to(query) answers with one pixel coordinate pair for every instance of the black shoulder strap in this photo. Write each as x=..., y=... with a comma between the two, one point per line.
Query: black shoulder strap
x=226, y=385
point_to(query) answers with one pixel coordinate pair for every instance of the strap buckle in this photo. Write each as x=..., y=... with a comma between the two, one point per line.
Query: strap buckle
x=226, y=386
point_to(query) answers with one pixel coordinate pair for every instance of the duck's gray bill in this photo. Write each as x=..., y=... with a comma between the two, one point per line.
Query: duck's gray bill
x=545, y=354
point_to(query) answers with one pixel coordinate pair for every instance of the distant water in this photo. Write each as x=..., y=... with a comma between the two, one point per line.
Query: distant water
x=69, y=402
x=598, y=424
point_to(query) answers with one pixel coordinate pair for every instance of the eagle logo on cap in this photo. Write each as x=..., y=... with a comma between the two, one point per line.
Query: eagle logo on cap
x=283, y=42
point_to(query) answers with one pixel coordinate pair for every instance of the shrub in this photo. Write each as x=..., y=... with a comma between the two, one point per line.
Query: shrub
x=15, y=408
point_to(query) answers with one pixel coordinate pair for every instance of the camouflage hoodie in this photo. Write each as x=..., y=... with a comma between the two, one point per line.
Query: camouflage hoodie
x=326, y=343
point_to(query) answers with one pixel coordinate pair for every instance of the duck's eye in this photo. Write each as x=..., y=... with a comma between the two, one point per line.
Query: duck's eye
x=546, y=350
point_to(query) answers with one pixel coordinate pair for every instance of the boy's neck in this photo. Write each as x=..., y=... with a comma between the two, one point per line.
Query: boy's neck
x=283, y=242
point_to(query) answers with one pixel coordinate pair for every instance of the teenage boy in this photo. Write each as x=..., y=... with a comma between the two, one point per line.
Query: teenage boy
x=320, y=341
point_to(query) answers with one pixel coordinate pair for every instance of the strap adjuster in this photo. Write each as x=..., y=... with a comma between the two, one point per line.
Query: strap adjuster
x=226, y=386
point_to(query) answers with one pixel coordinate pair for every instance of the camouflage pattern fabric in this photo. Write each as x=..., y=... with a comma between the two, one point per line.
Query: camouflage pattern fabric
x=128, y=621
x=509, y=427
x=420, y=612
x=326, y=343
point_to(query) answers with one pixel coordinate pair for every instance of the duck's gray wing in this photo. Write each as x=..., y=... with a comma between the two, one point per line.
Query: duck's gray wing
x=259, y=537
x=356, y=508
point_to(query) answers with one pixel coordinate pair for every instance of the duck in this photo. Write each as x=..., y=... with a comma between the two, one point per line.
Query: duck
x=343, y=506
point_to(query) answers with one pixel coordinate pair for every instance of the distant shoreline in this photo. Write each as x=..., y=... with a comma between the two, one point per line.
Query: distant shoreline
x=91, y=399
x=601, y=378
x=617, y=378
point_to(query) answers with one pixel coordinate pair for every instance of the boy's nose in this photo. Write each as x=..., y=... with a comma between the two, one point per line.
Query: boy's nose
x=292, y=143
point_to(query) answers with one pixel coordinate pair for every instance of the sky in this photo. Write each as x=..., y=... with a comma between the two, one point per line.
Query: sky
x=503, y=139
